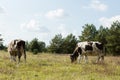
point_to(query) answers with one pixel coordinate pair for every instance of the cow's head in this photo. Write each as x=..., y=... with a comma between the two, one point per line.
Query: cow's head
x=75, y=54
x=72, y=58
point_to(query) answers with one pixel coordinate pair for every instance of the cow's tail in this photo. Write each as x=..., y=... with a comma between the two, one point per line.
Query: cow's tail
x=25, y=55
x=24, y=48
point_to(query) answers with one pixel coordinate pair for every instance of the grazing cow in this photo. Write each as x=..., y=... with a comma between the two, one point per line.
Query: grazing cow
x=83, y=48
x=75, y=54
x=16, y=48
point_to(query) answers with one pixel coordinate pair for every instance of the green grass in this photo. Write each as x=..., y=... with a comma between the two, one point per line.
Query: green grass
x=46, y=66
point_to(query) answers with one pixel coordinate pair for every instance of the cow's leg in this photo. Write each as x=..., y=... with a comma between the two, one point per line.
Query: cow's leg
x=98, y=59
x=100, y=54
x=79, y=58
x=19, y=56
x=14, y=58
x=102, y=57
x=86, y=58
x=11, y=57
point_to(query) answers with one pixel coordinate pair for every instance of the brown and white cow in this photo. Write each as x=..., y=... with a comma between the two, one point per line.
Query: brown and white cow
x=83, y=48
x=17, y=48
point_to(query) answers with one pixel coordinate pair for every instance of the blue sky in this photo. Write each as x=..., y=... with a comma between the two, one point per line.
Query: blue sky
x=43, y=19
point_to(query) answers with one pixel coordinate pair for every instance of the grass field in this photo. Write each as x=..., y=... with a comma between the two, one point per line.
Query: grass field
x=46, y=66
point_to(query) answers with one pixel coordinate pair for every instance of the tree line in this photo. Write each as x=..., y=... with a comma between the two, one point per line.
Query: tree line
x=110, y=37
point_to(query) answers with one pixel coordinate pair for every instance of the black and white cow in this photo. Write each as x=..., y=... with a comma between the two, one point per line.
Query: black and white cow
x=83, y=48
x=16, y=48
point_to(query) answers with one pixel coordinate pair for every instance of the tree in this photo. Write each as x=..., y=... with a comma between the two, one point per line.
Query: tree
x=55, y=44
x=89, y=32
x=1, y=39
x=1, y=43
x=36, y=46
x=41, y=46
x=27, y=46
x=69, y=43
x=113, y=39
x=63, y=45
x=101, y=35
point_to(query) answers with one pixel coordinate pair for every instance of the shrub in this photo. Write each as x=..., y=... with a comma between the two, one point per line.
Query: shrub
x=35, y=51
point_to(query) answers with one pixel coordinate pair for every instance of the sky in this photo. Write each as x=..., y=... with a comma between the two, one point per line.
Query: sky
x=43, y=19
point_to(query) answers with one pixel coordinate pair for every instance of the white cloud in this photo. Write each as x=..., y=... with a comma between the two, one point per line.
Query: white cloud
x=97, y=5
x=1, y=10
x=108, y=21
x=38, y=14
x=34, y=29
x=62, y=29
x=65, y=31
x=34, y=25
x=53, y=14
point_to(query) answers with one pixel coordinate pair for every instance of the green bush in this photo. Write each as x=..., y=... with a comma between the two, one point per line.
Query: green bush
x=35, y=51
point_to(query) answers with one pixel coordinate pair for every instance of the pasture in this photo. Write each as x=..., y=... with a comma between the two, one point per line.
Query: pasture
x=46, y=66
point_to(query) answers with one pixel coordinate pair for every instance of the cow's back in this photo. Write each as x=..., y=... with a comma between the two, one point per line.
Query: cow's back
x=82, y=44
